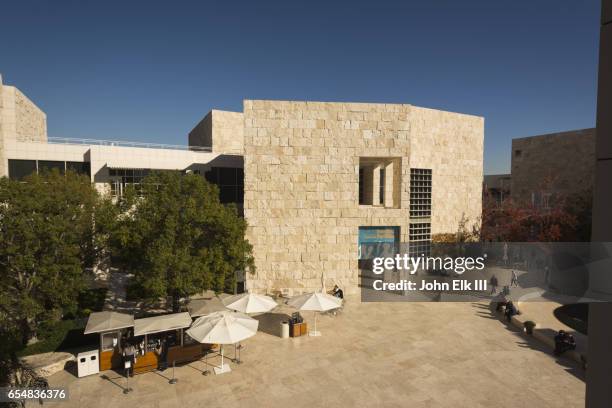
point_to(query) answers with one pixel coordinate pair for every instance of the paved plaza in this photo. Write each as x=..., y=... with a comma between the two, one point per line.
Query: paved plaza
x=372, y=354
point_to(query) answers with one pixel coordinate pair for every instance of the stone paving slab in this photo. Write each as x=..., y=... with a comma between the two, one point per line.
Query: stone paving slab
x=371, y=354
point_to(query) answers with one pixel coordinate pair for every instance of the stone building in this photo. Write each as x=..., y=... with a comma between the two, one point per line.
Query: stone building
x=20, y=120
x=320, y=184
x=497, y=186
x=228, y=136
x=321, y=179
x=557, y=164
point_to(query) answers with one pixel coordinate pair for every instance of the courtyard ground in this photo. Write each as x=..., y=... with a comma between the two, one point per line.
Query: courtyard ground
x=372, y=354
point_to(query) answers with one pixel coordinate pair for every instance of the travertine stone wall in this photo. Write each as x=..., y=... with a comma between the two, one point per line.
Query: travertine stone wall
x=20, y=119
x=451, y=144
x=561, y=163
x=201, y=134
x=221, y=130
x=30, y=121
x=302, y=178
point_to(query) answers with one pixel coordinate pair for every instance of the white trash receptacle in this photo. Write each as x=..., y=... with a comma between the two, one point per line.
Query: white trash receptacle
x=285, y=330
x=88, y=363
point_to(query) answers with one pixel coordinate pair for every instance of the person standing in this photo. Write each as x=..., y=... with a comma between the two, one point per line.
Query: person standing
x=493, y=282
x=129, y=355
x=505, y=257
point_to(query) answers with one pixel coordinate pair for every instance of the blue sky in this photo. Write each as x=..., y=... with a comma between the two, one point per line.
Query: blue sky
x=149, y=71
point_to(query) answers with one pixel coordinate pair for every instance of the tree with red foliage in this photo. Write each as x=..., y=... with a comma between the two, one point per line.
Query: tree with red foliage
x=511, y=222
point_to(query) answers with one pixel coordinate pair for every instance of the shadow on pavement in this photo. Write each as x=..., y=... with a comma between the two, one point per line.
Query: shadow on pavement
x=484, y=311
x=569, y=365
x=527, y=341
x=270, y=323
x=114, y=380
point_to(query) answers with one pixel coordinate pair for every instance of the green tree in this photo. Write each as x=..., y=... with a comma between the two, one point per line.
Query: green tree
x=178, y=239
x=48, y=243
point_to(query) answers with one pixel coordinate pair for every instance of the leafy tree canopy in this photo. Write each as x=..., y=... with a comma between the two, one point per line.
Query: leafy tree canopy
x=48, y=239
x=178, y=239
x=567, y=219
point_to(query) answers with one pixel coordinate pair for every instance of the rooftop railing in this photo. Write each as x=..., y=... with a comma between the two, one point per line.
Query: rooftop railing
x=123, y=143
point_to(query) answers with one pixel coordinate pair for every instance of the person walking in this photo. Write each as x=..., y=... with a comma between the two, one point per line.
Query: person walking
x=514, y=279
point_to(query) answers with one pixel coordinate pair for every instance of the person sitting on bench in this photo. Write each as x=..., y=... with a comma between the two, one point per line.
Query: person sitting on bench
x=564, y=342
x=510, y=310
x=500, y=300
x=337, y=292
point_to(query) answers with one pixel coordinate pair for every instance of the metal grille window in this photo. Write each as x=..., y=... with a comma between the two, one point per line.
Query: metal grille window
x=420, y=193
x=421, y=248
x=419, y=231
x=419, y=236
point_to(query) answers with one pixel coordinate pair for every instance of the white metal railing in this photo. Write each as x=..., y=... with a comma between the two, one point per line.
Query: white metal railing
x=123, y=143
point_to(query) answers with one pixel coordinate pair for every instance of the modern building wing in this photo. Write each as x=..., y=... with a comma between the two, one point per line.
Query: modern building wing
x=111, y=165
x=323, y=186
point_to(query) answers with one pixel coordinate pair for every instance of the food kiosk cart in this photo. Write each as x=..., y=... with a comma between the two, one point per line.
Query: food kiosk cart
x=159, y=341
x=113, y=328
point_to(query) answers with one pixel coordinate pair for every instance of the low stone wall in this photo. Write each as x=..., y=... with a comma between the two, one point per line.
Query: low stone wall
x=47, y=364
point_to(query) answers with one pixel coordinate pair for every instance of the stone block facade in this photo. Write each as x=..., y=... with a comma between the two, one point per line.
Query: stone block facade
x=558, y=163
x=220, y=130
x=30, y=121
x=20, y=120
x=301, y=183
x=314, y=174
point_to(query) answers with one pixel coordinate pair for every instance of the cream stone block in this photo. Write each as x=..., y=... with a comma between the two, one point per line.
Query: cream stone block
x=316, y=182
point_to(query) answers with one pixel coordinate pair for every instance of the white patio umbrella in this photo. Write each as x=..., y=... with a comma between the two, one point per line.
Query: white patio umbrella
x=315, y=302
x=223, y=328
x=250, y=303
